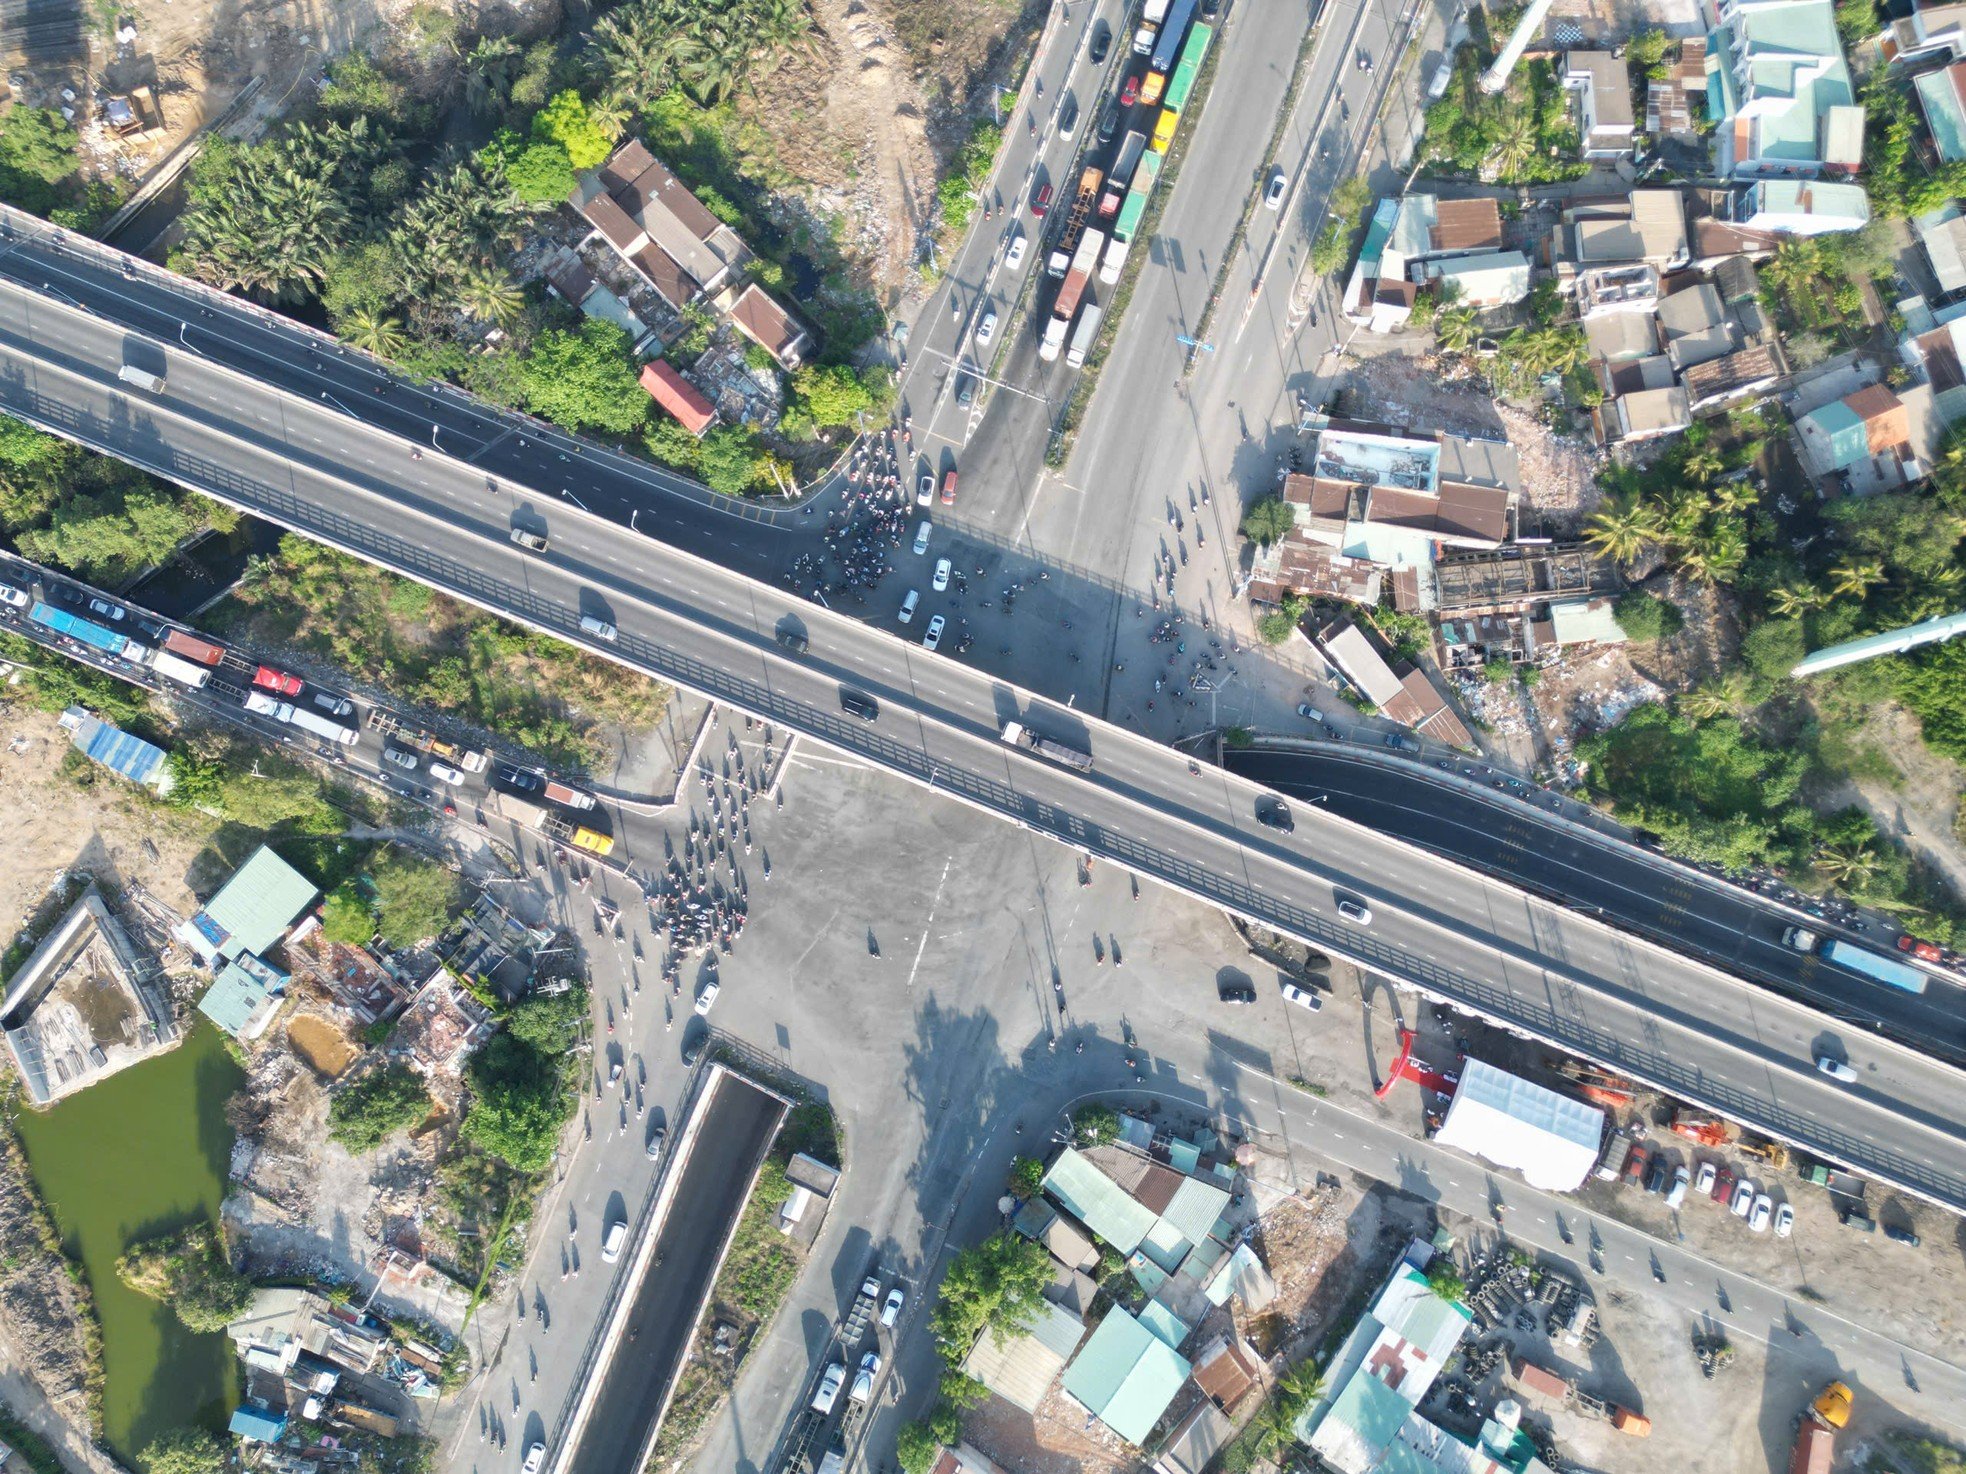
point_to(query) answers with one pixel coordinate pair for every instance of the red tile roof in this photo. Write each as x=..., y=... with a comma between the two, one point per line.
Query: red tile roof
x=677, y=395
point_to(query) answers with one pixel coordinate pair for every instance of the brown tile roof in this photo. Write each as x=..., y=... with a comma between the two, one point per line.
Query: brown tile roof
x=1887, y=423
x=766, y=323
x=677, y=395
x=1736, y=371
x=676, y=285
x=1540, y=1380
x=1475, y=511
x=567, y=276
x=628, y=161
x=1297, y=489
x=655, y=184
x=1436, y=719
x=1942, y=364
x=1304, y=567
x=612, y=221
x=1157, y=1187
x=1713, y=238
x=1467, y=225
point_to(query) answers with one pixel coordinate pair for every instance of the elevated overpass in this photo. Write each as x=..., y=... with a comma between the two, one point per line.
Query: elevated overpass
x=366, y=484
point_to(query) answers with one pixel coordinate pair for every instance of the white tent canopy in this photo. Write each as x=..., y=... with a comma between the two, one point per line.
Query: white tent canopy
x=1552, y=1140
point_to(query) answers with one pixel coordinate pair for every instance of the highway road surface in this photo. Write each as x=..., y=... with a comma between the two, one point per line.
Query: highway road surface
x=1530, y=964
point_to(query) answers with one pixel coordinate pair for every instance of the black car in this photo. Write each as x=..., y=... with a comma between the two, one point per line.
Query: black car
x=1236, y=992
x=1901, y=1235
x=794, y=641
x=1657, y=1175
x=1102, y=43
x=859, y=704
x=1109, y=122
x=965, y=389
x=1275, y=814
x=693, y=1049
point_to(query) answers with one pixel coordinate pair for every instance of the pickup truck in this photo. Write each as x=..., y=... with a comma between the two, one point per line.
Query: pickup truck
x=528, y=539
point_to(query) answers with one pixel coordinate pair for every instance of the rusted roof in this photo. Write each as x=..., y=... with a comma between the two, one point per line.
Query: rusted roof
x=630, y=160
x=1737, y=371
x=1297, y=489
x=1942, y=364
x=1713, y=238
x=1458, y=511
x=1467, y=225
x=667, y=276
x=1308, y=568
x=1871, y=401
x=612, y=221
x=655, y=184
x=1540, y=1380
x=1157, y=1187
x=762, y=320
x=1225, y=1374
x=677, y=395
x=569, y=278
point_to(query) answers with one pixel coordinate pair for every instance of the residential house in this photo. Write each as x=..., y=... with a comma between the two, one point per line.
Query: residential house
x=1674, y=106
x=1695, y=326
x=1628, y=289
x=1647, y=226
x=964, y=1459
x=1604, y=103
x=657, y=226
x=1591, y=621
x=1801, y=207
x=1490, y=279
x=770, y=326
x=1196, y=1440
x=682, y=399
x=1942, y=236
x=1942, y=97
x=1406, y=233
x=251, y=914
x=1645, y=414
x=1863, y=437
x=1368, y=1417
x=1021, y=1368
x=1125, y=1375
x=1749, y=374
x=1405, y=696
x=1781, y=92
x=1227, y=1370
x=1928, y=33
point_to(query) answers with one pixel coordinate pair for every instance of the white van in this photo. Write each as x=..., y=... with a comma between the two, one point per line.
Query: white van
x=600, y=629
x=829, y=1388
x=908, y=604
x=921, y=538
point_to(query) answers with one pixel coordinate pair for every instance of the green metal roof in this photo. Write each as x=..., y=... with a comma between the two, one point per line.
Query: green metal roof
x=234, y=998
x=1195, y=1207
x=1849, y=441
x=1944, y=114
x=1097, y=1201
x=1126, y=1376
x=256, y=906
x=1165, y=1324
x=1364, y=1419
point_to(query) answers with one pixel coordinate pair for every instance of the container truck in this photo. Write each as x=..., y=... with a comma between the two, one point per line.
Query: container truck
x=573, y=798
x=1016, y=734
x=129, y=373
x=1068, y=238
x=1121, y=174
x=185, y=672
x=320, y=726
x=1083, y=335
x=1815, y=1435
x=1150, y=19
x=1173, y=31
x=1080, y=272
x=191, y=647
x=1873, y=965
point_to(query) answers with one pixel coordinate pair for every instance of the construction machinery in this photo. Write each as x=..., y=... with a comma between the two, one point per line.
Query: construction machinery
x=1816, y=1430
x=1702, y=1130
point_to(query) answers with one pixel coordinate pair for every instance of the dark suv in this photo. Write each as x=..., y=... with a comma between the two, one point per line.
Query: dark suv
x=860, y=704
x=1102, y=42
x=1274, y=813
x=1236, y=992
x=793, y=640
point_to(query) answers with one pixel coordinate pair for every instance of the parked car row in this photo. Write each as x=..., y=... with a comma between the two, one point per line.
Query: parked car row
x=1648, y=1167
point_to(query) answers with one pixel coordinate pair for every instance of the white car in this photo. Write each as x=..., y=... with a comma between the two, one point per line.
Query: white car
x=1014, y=257
x=1273, y=192
x=925, y=493
x=1743, y=1203
x=1758, y=1216
x=707, y=999
x=942, y=572
x=535, y=1457
x=932, y=636
x=1302, y=997
x=829, y=1388
x=611, y=1241
x=891, y=1311
x=1356, y=912
x=1836, y=1070
x=1784, y=1220
x=1681, y=1181
x=863, y=1380
x=404, y=760
x=13, y=596
x=445, y=773
x=986, y=329
x=109, y=611
x=1703, y=1184
x=908, y=605
x=921, y=538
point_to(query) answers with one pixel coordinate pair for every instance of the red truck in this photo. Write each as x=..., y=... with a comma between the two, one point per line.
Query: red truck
x=277, y=680
x=183, y=642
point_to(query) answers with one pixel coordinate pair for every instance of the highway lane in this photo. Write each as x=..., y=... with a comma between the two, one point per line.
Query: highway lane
x=1524, y=961
x=1501, y=835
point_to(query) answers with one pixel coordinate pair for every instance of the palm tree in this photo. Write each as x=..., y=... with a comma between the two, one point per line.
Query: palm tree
x=1623, y=528
x=1853, y=577
x=1848, y=867
x=1719, y=697
x=609, y=114
x=374, y=332
x=1455, y=328
x=1792, y=599
x=488, y=295
x=488, y=72
x=1734, y=496
x=1716, y=555
x=1705, y=465
x=1514, y=152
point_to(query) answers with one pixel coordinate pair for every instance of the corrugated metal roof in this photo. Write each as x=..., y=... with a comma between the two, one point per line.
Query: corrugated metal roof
x=1164, y=1323
x=234, y=999
x=1166, y=1245
x=1195, y=1208
x=1126, y=1376
x=262, y=899
x=117, y=750
x=1097, y=1201
x=1551, y=1139
x=1021, y=1368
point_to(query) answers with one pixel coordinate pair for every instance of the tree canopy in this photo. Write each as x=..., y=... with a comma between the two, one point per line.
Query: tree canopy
x=568, y=121
x=520, y=1099
x=584, y=380
x=996, y=1287
x=183, y=1451
x=413, y=897
x=364, y=1114
x=189, y=1272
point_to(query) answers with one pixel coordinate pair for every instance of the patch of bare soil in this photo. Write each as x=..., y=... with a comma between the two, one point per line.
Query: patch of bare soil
x=107, y=828
x=1923, y=808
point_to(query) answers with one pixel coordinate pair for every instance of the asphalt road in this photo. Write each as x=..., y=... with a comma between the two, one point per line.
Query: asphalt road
x=1503, y=836
x=1532, y=965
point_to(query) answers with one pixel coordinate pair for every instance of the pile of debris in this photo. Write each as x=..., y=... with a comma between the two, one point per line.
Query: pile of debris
x=1713, y=1351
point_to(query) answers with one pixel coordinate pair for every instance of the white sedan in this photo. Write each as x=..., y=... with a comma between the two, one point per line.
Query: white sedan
x=1014, y=257
x=1758, y=1216
x=987, y=328
x=932, y=636
x=1302, y=997
x=1784, y=1220
x=941, y=579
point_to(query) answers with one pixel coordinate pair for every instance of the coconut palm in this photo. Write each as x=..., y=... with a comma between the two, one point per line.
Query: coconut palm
x=489, y=295
x=1736, y=495
x=1623, y=528
x=634, y=52
x=1719, y=697
x=374, y=332
x=609, y=114
x=488, y=69
x=1705, y=465
x=1848, y=867
x=1455, y=328
x=1854, y=577
x=1717, y=555
x=1792, y=599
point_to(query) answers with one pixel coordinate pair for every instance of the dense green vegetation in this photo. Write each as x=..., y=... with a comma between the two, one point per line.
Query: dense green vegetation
x=1736, y=771
x=38, y=170
x=958, y=194
x=996, y=1286
x=414, y=897
x=189, y=1272
x=522, y=1081
x=364, y=1114
x=183, y=1451
x=96, y=518
x=1345, y=219
x=433, y=651
x=1523, y=135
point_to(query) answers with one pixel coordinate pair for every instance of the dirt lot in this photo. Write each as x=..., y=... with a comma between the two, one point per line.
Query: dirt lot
x=107, y=828
x=886, y=92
